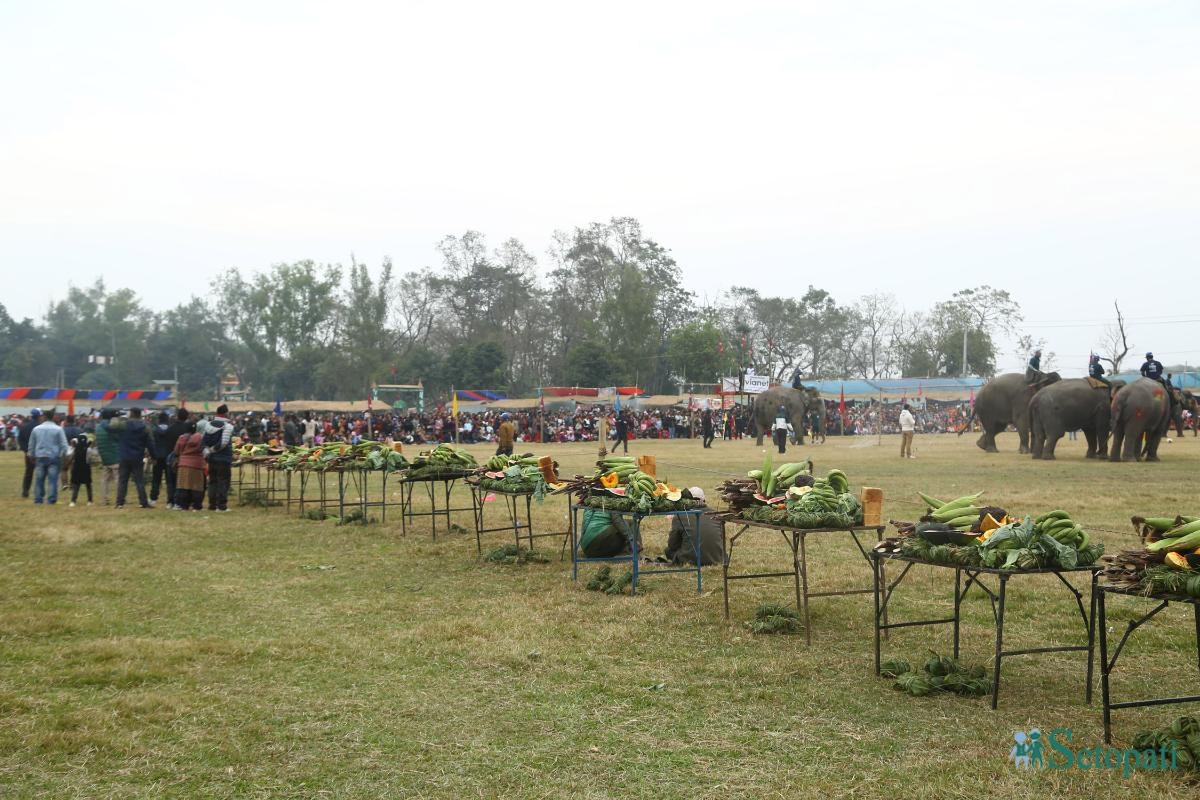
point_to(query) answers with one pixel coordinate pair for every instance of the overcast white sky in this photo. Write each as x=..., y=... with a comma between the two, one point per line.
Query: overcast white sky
x=1052, y=149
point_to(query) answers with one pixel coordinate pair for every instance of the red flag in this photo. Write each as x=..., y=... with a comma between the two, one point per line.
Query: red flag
x=842, y=401
x=972, y=398
x=920, y=389
x=71, y=405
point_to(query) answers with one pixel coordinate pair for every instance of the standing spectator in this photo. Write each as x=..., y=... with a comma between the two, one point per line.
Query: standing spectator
x=70, y=430
x=180, y=427
x=81, y=465
x=107, y=446
x=134, y=444
x=189, y=470
x=23, y=434
x=161, y=445
x=622, y=431
x=310, y=431
x=780, y=428
x=291, y=432
x=218, y=452
x=48, y=447
x=907, y=425
x=706, y=425
x=505, y=435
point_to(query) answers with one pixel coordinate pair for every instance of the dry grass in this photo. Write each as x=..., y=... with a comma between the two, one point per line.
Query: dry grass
x=148, y=654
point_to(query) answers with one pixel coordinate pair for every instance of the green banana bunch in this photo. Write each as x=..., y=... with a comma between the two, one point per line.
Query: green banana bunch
x=641, y=484
x=1059, y=525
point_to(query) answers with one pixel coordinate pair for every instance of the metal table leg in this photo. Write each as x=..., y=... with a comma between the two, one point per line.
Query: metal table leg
x=999, y=643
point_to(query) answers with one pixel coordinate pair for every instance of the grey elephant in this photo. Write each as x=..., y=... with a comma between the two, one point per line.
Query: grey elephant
x=1070, y=405
x=1184, y=401
x=798, y=402
x=1140, y=409
x=1004, y=401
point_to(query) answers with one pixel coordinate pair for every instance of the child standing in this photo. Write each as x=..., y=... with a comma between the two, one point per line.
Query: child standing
x=82, y=455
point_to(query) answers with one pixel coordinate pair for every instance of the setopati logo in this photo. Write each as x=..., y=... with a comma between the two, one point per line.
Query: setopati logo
x=1033, y=750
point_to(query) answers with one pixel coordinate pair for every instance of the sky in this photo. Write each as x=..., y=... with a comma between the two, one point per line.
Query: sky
x=1046, y=148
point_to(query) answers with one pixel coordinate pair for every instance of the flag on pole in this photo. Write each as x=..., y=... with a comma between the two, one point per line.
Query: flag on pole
x=972, y=398
x=842, y=402
x=278, y=408
x=920, y=389
x=454, y=403
x=205, y=406
x=617, y=405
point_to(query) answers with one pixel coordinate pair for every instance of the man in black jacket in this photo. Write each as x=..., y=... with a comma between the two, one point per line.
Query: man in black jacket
x=161, y=446
x=134, y=443
x=23, y=433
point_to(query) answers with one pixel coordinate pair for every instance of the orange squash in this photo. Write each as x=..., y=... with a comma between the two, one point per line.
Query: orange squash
x=610, y=480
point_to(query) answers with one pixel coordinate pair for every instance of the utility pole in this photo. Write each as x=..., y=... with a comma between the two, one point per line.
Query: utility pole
x=963, y=371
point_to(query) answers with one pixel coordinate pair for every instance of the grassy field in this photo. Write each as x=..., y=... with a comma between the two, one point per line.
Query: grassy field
x=157, y=654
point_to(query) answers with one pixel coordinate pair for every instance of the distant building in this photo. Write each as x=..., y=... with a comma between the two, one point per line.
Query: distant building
x=233, y=390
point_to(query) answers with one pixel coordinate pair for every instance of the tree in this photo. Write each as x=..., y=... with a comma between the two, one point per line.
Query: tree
x=1114, y=345
x=873, y=348
x=592, y=364
x=697, y=354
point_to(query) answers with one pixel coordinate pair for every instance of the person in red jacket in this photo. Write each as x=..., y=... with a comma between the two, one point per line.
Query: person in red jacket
x=189, y=465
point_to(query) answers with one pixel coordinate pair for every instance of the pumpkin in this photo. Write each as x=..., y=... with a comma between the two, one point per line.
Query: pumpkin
x=989, y=523
x=610, y=480
x=675, y=496
x=1177, y=560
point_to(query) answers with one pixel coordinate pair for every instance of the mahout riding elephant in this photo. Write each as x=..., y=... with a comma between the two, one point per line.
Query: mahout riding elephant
x=1070, y=405
x=1140, y=409
x=799, y=403
x=1004, y=401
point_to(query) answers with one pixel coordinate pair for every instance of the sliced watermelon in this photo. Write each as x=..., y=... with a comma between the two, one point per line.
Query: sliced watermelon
x=762, y=498
x=618, y=491
x=780, y=499
x=497, y=475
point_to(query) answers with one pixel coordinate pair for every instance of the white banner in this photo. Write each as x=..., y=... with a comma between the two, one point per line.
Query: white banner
x=754, y=384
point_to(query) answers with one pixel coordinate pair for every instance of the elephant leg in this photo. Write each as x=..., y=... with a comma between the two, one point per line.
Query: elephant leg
x=1116, y=440
x=985, y=443
x=1052, y=437
x=1023, y=435
x=1091, y=442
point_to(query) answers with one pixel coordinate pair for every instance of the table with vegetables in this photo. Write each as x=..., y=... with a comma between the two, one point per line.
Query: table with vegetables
x=788, y=499
x=354, y=466
x=977, y=541
x=620, y=488
x=513, y=479
x=438, y=470
x=1166, y=570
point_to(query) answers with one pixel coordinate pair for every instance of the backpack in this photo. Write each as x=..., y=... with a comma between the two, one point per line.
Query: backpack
x=212, y=441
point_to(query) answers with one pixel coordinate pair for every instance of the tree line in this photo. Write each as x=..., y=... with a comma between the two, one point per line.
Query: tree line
x=608, y=306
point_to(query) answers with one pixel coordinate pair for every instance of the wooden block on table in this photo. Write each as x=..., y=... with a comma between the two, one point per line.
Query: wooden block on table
x=872, y=503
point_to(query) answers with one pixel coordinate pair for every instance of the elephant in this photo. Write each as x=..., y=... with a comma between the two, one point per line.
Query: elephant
x=1004, y=401
x=1140, y=409
x=1069, y=405
x=799, y=403
x=1184, y=401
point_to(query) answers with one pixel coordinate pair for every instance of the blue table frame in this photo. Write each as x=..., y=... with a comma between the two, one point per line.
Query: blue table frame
x=634, y=557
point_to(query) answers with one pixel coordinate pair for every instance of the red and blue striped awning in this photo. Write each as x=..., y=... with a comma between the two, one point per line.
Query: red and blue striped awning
x=94, y=395
x=479, y=395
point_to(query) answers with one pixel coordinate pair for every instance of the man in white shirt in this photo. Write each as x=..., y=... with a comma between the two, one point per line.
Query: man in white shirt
x=907, y=424
x=309, y=437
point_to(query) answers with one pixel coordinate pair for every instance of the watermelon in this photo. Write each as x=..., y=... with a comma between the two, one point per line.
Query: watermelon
x=618, y=491
x=496, y=475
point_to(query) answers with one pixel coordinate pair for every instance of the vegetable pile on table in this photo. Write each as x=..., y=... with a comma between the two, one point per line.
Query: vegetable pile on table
x=339, y=455
x=1182, y=736
x=1169, y=564
x=789, y=495
x=937, y=674
x=442, y=461
x=960, y=533
x=618, y=485
x=521, y=473
x=244, y=451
